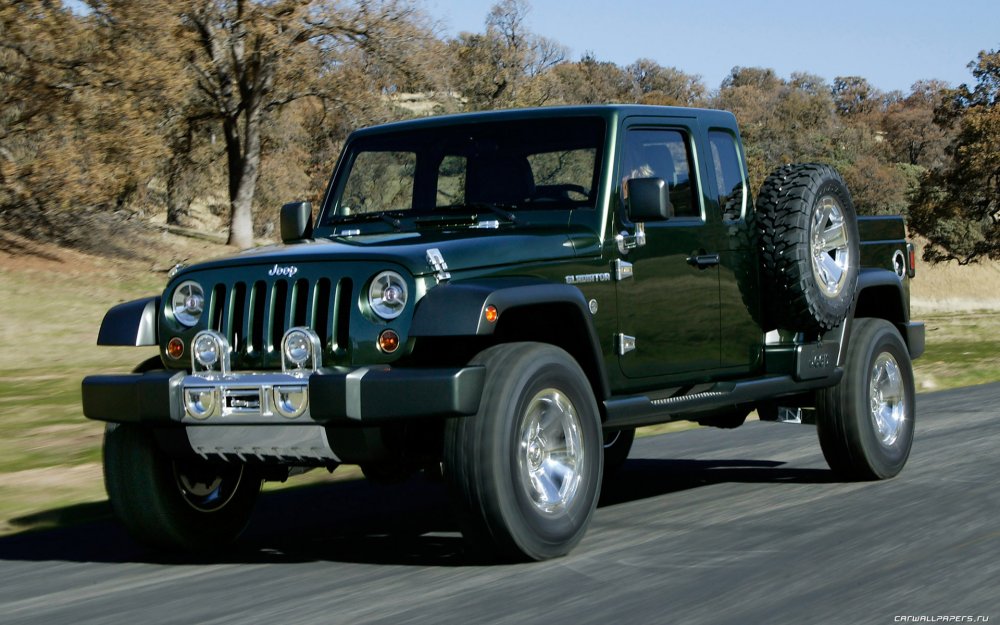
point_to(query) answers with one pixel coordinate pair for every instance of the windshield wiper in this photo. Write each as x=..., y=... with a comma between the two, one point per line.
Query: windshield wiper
x=498, y=209
x=389, y=217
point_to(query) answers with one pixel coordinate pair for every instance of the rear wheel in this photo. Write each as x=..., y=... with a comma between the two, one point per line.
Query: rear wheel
x=167, y=503
x=865, y=423
x=525, y=471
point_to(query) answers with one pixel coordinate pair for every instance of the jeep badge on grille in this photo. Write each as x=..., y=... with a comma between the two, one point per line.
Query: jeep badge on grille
x=288, y=272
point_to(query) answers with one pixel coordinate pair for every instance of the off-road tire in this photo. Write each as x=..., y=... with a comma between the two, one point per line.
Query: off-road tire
x=865, y=423
x=809, y=247
x=147, y=493
x=491, y=459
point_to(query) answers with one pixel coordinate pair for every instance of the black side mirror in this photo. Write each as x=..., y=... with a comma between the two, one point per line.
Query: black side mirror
x=649, y=200
x=296, y=221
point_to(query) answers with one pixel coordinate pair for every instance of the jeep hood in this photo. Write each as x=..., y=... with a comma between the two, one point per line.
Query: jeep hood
x=464, y=249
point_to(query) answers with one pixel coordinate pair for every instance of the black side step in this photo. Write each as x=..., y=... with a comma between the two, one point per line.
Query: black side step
x=637, y=410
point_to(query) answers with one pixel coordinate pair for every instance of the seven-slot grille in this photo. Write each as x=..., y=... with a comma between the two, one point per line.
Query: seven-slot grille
x=254, y=316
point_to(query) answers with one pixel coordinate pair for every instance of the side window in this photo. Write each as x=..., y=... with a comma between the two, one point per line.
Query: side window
x=563, y=175
x=379, y=181
x=451, y=181
x=728, y=174
x=662, y=154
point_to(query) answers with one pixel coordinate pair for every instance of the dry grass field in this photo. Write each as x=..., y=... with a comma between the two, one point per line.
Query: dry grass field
x=54, y=300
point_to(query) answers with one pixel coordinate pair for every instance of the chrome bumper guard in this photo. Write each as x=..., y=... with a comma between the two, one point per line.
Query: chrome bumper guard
x=363, y=396
x=256, y=414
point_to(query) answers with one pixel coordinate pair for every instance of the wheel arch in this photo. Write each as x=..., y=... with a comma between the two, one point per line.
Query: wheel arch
x=880, y=295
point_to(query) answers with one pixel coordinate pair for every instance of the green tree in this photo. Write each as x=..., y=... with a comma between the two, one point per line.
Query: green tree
x=666, y=85
x=909, y=126
x=244, y=62
x=781, y=121
x=590, y=81
x=958, y=207
x=74, y=136
x=503, y=66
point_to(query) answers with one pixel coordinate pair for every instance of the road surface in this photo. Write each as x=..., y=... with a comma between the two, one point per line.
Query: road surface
x=740, y=527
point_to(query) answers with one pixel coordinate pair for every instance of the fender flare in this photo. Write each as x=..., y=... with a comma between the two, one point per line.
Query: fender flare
x=132, y=323
x=885, y=299
x=458, y=309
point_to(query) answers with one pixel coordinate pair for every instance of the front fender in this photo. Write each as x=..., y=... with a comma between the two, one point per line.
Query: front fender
x=132, y=323
x=457, y=309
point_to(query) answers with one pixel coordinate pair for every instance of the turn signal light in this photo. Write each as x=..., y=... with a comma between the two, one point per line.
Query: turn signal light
x=175, y=348
x=388, y=341
x=491, y=313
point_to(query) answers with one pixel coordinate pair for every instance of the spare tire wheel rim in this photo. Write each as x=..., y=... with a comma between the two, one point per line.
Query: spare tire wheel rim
x=550, y=454
x=828, y=246
x=887, y=399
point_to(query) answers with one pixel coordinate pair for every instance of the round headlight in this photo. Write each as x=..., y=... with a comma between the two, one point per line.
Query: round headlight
x=188, y=302
x=387, y=295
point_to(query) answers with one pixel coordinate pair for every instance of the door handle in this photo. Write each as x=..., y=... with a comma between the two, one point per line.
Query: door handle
x=703, y=261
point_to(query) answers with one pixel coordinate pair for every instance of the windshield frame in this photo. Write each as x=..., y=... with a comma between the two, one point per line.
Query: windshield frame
x=589, y=131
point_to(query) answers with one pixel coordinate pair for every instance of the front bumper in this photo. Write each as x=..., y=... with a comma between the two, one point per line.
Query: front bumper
x=370, y=396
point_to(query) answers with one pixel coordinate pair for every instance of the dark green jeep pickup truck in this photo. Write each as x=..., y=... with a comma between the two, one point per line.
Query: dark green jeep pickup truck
x=504, y=297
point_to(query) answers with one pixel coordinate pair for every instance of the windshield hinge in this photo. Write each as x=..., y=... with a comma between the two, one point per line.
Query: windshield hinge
x=436, y=261
x=628, y=241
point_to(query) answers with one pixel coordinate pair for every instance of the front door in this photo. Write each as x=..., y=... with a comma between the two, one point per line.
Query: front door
x=670, y=304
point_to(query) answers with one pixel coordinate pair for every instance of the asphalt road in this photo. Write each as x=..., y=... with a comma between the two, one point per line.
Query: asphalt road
x=706, y=526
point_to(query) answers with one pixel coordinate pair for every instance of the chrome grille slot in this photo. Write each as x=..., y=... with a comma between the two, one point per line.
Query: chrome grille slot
x=279, y=310
x=258, y=317
x=234, y=316
x=300, y=303
x=343, y=316
x=217, y=306
x=321, y=318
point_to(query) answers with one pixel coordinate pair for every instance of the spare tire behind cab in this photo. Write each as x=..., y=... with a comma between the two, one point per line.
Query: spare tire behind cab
x=809, y=248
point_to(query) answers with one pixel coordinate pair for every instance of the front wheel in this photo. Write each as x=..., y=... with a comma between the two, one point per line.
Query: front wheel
x=865, y=423
x=166, y=503
x=525, y=471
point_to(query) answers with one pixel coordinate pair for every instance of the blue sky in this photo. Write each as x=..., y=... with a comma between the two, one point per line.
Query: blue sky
x=891, y=43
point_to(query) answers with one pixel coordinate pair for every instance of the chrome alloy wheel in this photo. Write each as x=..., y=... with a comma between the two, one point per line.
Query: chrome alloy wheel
x=887, y=399
x=828, y=246
x=550, y=454
x=207, y=488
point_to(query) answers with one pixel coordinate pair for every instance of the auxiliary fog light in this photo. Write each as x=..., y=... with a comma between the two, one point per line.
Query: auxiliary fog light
x=201, y=402
x=290, y=401
x=209, y=351
x=301, y=348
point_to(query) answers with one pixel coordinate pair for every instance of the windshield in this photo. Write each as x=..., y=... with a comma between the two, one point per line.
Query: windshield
x=487, y=169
